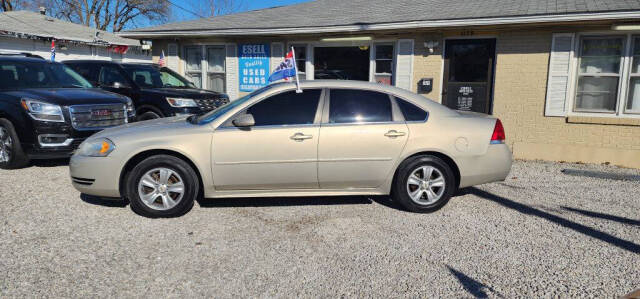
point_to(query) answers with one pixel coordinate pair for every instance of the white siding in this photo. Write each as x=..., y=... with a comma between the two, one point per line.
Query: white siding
x=559, y=74
x=232, y=72
x=72, y=52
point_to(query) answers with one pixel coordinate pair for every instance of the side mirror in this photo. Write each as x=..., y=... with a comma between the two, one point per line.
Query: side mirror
x=244, y=121
x=119, y=85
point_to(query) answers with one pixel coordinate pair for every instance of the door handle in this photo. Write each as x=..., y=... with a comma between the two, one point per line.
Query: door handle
x=394, y=134
x=300, y=137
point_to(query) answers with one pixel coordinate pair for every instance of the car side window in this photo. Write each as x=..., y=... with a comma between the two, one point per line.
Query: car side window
x=359, y=106
x=411, y=112
x=287, y=108
x=86, y=70
x=110, y=75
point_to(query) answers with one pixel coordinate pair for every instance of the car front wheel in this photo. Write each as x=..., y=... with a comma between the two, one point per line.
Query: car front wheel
x=424, y=184
x=162, y=186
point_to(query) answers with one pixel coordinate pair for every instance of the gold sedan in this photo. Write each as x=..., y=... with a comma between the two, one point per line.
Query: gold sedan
x=334, y=138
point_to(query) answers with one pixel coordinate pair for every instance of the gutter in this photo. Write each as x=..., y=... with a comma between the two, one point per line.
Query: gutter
x=391, y=26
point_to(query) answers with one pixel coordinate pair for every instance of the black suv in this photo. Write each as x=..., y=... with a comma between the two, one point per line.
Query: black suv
x=156, y=91
x=47, y=110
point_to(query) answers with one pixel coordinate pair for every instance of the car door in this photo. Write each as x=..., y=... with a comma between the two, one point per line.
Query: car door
x=362, y=136
x=279, y=152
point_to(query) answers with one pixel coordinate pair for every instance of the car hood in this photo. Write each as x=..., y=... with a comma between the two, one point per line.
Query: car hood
x=69, y=96
x=190, y=93
x=161, y=126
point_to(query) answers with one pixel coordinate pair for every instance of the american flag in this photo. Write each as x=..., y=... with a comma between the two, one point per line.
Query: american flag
x=53, y=51
x=162, y=61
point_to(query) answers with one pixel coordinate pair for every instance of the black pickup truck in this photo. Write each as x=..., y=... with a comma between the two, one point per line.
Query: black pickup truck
x=47, y=110
x=156, y=91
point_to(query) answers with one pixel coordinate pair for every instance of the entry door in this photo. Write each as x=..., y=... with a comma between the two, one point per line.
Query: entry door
x=279, y=152
x=360, y=141
x=468, y=74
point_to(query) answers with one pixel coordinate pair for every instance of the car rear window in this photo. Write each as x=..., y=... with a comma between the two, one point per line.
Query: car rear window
x=410, y=111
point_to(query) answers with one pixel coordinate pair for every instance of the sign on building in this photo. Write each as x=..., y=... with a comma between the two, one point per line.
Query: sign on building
x=253, y=61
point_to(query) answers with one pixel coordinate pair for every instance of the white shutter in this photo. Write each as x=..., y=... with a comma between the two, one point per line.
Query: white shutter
x=559, y=74
x=404, y=64
x=232, y=72
x=277, y=55
x=172, y=58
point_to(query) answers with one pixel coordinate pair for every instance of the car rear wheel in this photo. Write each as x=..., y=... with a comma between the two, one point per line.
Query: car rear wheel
x=162, y=186
x=424, y=184
x=11, y=154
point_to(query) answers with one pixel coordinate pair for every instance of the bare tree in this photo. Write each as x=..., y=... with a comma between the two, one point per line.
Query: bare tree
x=210, y=8
x=9, y=5
x=112, y=15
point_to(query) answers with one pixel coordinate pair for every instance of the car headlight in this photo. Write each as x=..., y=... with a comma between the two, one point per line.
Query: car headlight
x=131, y=110
x=181, y=103
x=100, y=147
x=42, y=111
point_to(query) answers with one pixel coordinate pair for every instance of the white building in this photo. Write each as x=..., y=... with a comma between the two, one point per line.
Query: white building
x=31, y=32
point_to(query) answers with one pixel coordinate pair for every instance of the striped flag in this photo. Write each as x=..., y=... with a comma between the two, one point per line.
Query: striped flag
x=162, y=61
x=53, y=51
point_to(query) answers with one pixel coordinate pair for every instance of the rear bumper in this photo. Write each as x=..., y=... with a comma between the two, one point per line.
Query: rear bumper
x=493, y=166
x=98, y=176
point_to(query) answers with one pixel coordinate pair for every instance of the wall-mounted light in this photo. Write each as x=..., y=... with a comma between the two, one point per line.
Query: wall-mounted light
x=431, y=45
x=623, y=27
x=347, y=39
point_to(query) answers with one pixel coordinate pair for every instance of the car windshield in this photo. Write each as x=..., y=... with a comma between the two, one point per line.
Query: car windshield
x=28, y=74
x=215, y=114
x=149, y=76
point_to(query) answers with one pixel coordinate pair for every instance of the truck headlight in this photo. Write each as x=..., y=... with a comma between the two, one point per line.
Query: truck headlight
x=100, y=147
x=181, y=103
x=42, y=111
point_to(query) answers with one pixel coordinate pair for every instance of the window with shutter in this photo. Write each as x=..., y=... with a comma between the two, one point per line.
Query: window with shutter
x=559, y=74
x=404, y=64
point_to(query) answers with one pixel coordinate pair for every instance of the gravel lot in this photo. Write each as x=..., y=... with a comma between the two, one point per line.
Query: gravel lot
x=543, y=232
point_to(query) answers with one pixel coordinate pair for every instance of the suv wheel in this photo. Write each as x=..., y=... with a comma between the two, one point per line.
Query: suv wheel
x=149, y=115
x=162, y=186
x=424, y=184
x=11, y=154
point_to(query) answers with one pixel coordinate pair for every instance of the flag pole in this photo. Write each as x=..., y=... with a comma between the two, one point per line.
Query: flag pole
x=295, y=68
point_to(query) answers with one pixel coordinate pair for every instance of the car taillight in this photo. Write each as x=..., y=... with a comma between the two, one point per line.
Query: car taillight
x=498, y=136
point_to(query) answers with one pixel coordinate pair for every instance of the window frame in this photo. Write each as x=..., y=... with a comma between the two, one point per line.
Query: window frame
x=227, y=124
x=374, y=61
x=623, y=84
x=210, y=72
x=302, y=75
x=631, y=75
x=396, y=114
x=204, y=72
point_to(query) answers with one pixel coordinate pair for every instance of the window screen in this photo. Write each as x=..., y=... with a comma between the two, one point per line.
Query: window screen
x=288, y=108
x=410, y=111
x=359, y=106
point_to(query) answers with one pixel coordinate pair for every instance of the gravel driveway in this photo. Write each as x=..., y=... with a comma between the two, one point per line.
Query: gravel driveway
x=551, y=229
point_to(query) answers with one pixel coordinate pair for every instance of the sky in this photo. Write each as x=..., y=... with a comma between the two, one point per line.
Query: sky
x=245, y=5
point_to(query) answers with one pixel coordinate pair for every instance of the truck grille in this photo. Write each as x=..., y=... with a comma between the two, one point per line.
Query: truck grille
x=96, y=117
x=210, y=104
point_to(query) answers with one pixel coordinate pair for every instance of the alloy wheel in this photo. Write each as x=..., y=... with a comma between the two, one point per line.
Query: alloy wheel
x=6, y=145
x=426, y=185
x=161, y=189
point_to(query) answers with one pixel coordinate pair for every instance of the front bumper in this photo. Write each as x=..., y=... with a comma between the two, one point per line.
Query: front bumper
x=98, y=176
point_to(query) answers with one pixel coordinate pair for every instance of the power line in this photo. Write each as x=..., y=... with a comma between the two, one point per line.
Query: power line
x=187, y=10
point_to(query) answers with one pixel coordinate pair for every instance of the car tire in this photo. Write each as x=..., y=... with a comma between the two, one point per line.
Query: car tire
x=151, y=195
x=11, y=154
x=148, y=115
x=421, y=194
